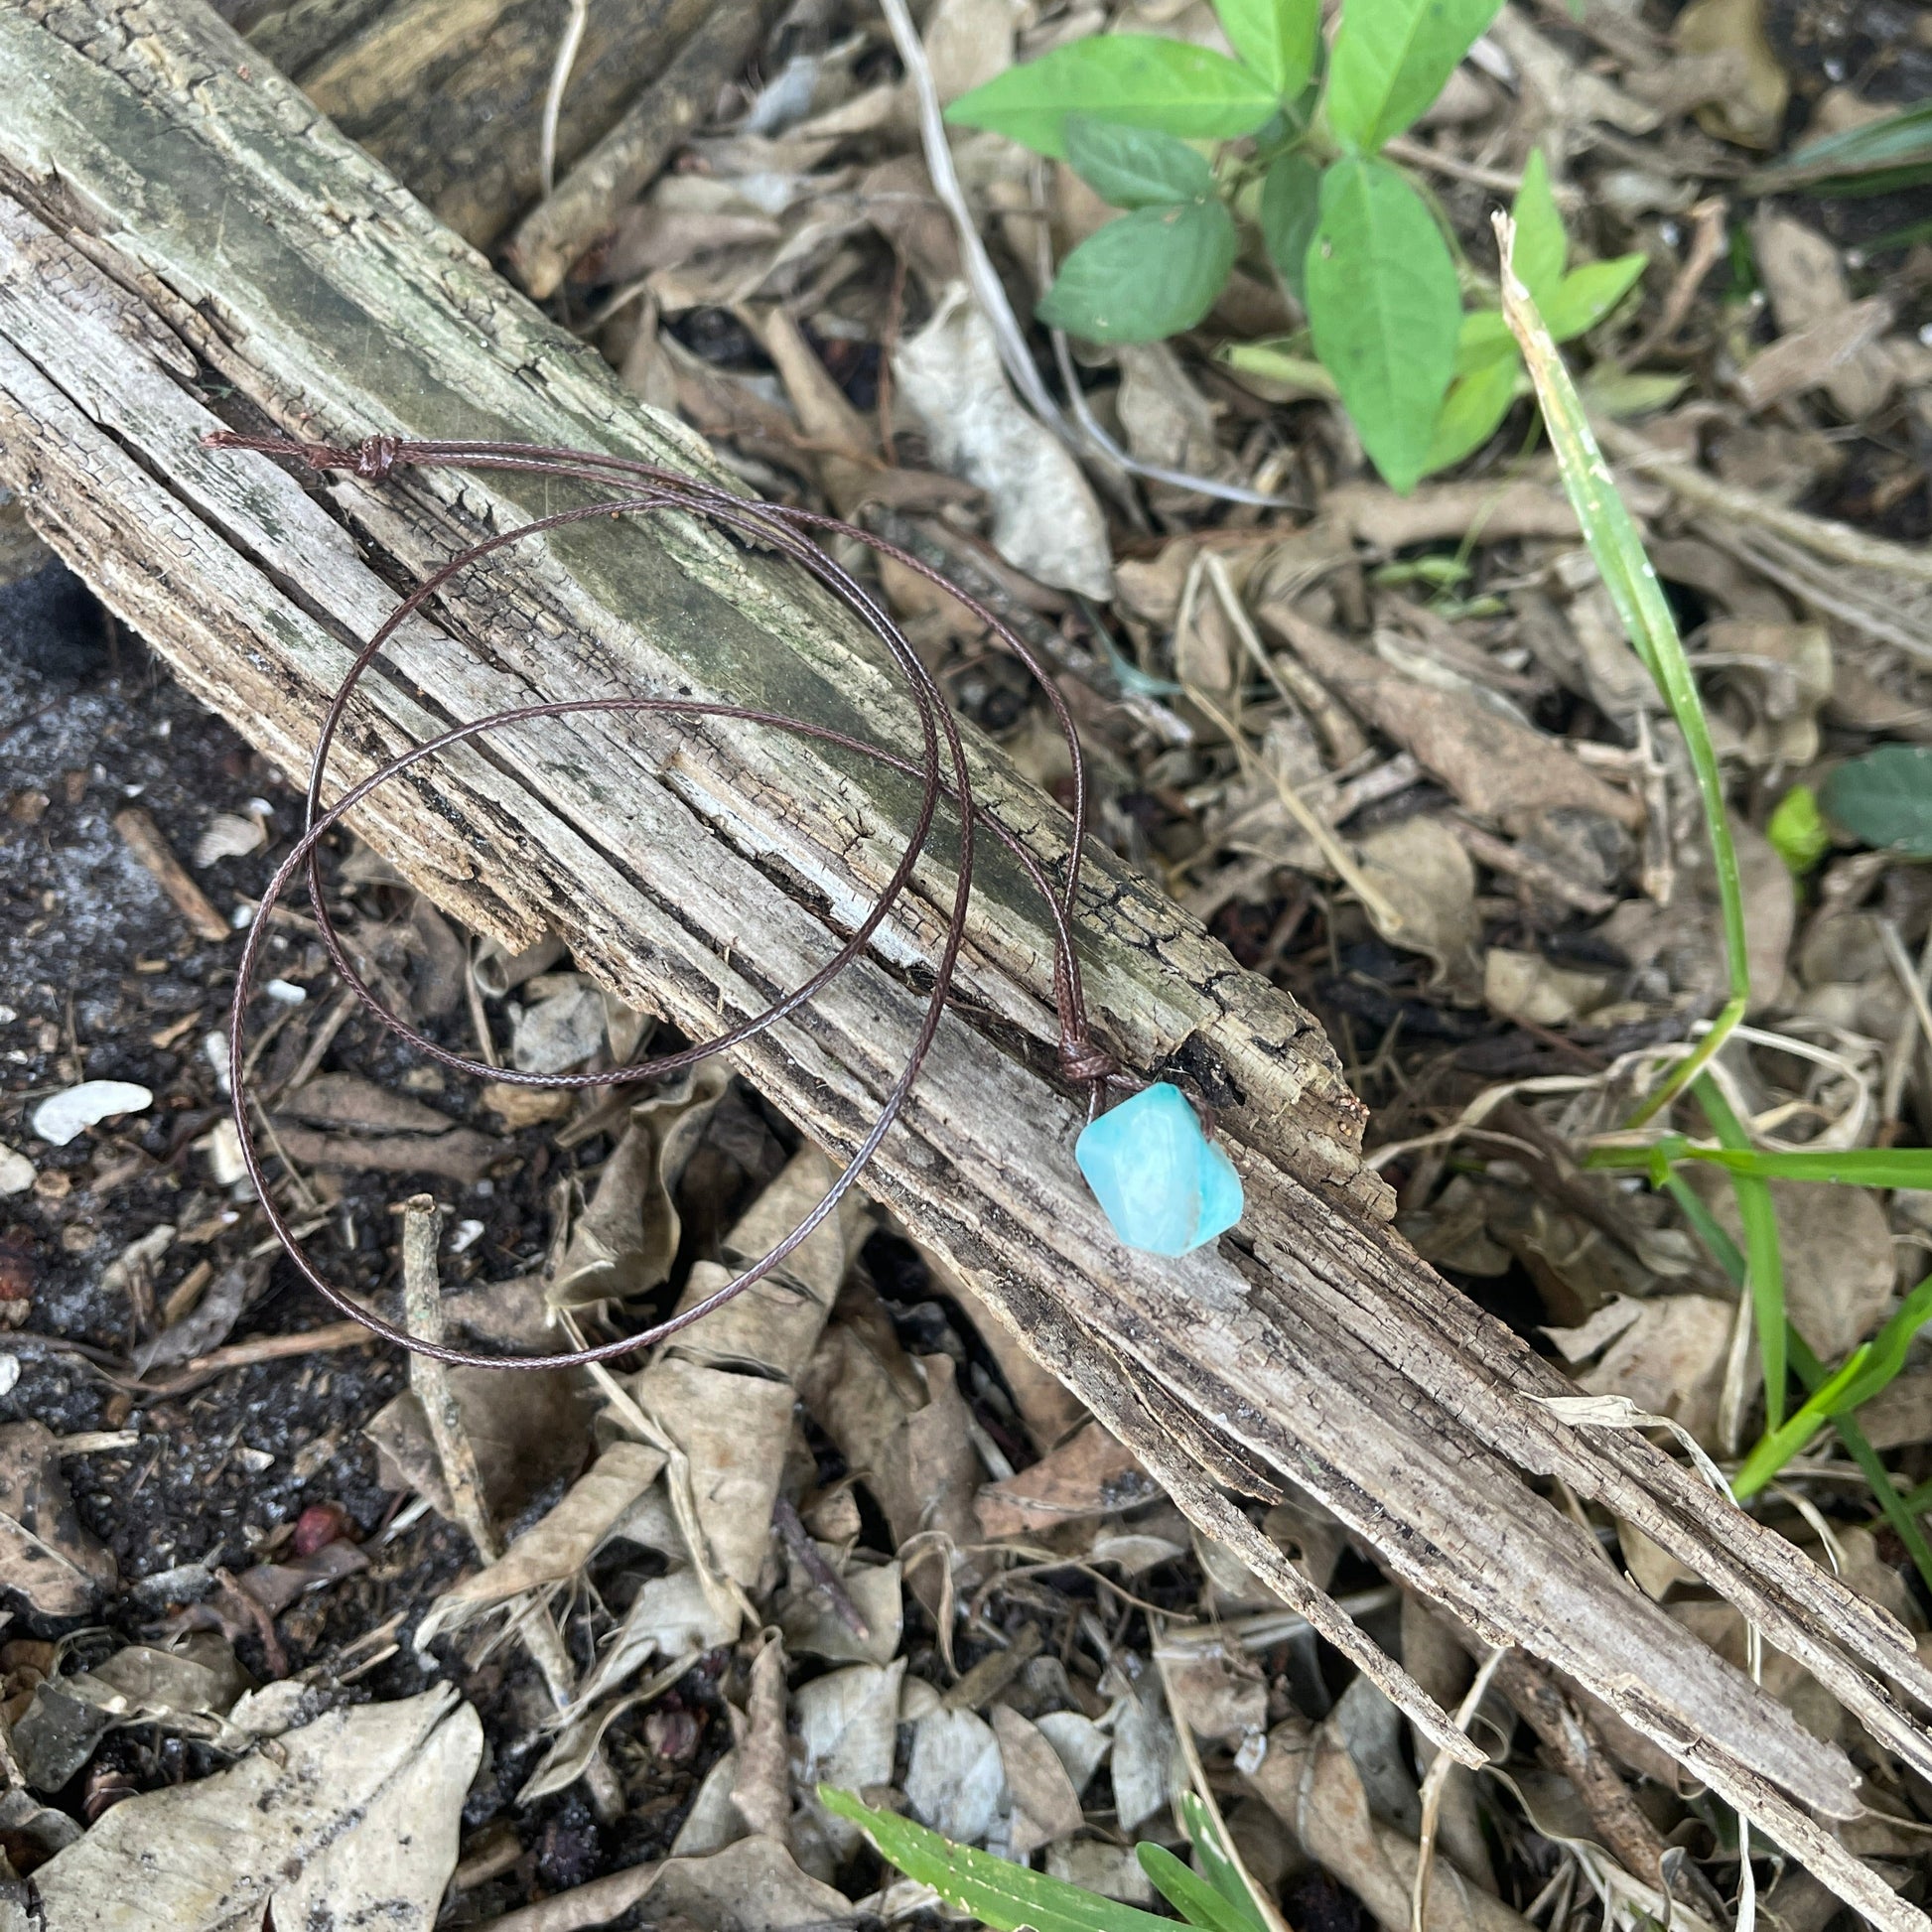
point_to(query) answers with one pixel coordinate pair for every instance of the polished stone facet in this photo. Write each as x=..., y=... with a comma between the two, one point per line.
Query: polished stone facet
x=1165, y=1185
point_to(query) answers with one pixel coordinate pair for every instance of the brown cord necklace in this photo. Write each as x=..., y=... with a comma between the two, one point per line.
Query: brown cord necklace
x=645, y=488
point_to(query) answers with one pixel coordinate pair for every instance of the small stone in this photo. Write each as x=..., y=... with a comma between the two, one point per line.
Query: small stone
x=64, y=1115
x=1164, y=1184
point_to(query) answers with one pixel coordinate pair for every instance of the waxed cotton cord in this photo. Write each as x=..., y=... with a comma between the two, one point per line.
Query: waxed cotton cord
x=648, y=488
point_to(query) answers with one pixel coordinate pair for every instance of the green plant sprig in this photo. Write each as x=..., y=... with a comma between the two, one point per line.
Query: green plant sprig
x=1614, y=542
x=1361, y=247
x=1006, y=1896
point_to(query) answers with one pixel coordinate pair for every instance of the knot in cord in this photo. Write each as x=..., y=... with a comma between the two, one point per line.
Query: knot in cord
x=377, y=455
x=1085, y=1062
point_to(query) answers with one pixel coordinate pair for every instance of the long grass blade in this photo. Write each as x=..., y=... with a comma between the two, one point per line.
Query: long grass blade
x=1764, y=1253
x=1614, y=542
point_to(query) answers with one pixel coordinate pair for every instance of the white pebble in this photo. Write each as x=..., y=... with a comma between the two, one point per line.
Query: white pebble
x=64, y=1115
x=16, y=1171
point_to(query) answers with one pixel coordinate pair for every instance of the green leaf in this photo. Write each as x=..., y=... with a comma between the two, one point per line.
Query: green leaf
x=1797, y=830
x=1189, y=1894
x=1622, y=394
x=1277, y=375
x=1392, y=58
x=1859, y=1167
x=1384, y=309
x=1135, y=167
x=1588, y=294
x=1217, y=1867
x=1473, y=410
x=1001, y=1895
x=1895, y=151
x=1152, y=273
x=1541, y=244
x=1887, y=1355
x=1885, y=799
x=1641, y=608
x=1290, y=205
x=1483, y=336
x=1763, y=1251
x=1273, y=36
x=1134, y=79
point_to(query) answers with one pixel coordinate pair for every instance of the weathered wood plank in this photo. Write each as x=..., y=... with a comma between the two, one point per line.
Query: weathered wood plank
x=177, y=231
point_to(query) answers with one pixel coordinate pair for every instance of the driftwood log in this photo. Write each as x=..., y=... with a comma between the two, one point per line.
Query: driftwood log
x=186, y=242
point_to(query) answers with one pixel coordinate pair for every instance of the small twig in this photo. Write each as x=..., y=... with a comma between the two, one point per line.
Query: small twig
x=422, y=1316
x=319, y=1041
x=1579, y=1753
x=143, y=838
x=1917, y=1024
x=553, y=99
x=1705, y=252
x=1819, y=534
x=1387, y=918
x=804, y=1552
x=1435, y=1784
x=1504, y=181
x=480, y=1015
x=1500, y=856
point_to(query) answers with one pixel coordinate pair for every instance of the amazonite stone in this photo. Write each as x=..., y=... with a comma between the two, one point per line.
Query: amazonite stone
x=1165, y=1185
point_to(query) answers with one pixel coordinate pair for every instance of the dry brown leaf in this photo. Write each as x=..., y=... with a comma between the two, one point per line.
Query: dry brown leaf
x=761, y=1792
x=1311, y=1783
x=352, y=1819
x=46, y=1552
x=1751, y=110
x=1498, y=768
x=1045, y=1805
x=1213, y=1685
x=1810, y=357
x=773, y=1326
x=1425, y=874
x=733, y=1429
x=1840, y=1272
x=1049, y=1410
x=1526, y=986
x=1669, y=1360
x=528, y=1430
x=1090, y=1475
x=557, y=1546
x=955, y=1779
x=623, y=1243
x=752, y=1886
x=1047, y=520
x=1804, y=276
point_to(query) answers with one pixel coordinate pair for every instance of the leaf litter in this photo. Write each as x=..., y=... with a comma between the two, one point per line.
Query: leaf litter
x=1397, y=749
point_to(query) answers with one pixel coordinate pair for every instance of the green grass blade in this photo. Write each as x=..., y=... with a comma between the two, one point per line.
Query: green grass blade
x=1886, y=1353
x=996, y=1891
x=1198, y=1902
x=1859, y=1167
x=1220, y=1869
x=1614, y=542
x=1778, y=1446
x=1704, y=1224
x=1764, y=1253
x=1901, y=1512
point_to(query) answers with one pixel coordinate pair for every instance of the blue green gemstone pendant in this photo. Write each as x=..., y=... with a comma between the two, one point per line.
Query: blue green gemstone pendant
x=1162, y=1184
